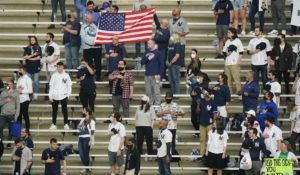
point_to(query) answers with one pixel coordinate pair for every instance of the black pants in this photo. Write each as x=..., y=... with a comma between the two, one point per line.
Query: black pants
x=93, y=55
x=293, y=139
x=5, y=119
x=141, y=133
x=87, y=98
x=194, y=116
x=173, y=131
x=64, y=104
x=24, y=112
x=286, y=77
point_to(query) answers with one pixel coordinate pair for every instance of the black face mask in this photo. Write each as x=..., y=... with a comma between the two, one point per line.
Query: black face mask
x=20, y=73
x=69, y=16
x=129, y=147
x=270, y=79
x=47, y=41
x=121, y=68
x=83, y=115
x=267, y=125
x=168, y=101
x=265, y=98
x=143, y=102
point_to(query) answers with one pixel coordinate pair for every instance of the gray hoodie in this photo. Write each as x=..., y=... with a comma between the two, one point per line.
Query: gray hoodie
x=12, y=108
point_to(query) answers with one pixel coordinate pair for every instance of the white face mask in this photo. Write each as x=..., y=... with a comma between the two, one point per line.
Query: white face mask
x=193, y=55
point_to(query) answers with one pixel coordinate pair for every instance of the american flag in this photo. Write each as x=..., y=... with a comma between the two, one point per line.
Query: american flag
x=130, y=26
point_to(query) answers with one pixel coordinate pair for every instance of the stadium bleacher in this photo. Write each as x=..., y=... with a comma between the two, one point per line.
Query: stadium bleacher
x=19, y=18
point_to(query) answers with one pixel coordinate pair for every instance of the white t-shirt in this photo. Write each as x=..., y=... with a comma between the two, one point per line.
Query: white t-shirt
x=165, y=136
x=259, y=58
x=234, y=56
x=24, y=82
x=297, y=95
x=217, y=142
x=60, y=86
x=290, y=155
x=275, y=89
x=295, y=116
x=51, y=66
x=115, y=140
x=172, y=120
x=275, y=134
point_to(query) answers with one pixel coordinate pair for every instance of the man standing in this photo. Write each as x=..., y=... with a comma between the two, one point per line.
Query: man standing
x=22, y=157
x=88, y=10
x=133, y=159
x=71, y=40
x=24, y=87
x=208, y=114
x=170, y=111
x=295, y=125
x=250, y=94
x=52, y=158
x=122, y=89
x=224, y=10
x=62, y=5
x=163, y=144
x=272, y=135
x=254, y=145
x=10, y=107
x=154, y=68
x=259, y=48
x=91, y=51
x=277, y=9
x=117, y=133
x=267, y=109
x=273, y=86
x=59, y=92
x=85, y=76
x=178, y=25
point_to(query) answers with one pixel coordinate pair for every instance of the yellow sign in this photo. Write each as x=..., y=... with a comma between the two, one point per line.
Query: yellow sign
x=278, y=167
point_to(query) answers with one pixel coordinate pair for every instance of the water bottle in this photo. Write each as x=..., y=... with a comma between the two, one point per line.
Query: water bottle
x=181, y=139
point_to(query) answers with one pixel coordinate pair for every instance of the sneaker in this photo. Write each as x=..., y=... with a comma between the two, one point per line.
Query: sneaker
x=8, y=145
x=52, y=127
x=283, y=32
x=35, y=96
x=219, y=56
x=196, y=135
x=163, y=80
x=66, y=127
x=273, y=32
x=146, y=158
x=251, y=33
x=51, y=26
x=243, y=33
x=83, y=171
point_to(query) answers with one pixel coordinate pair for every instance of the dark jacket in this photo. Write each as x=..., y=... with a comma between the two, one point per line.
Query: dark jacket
x=190, y=69
x=255, y=147
x=285, y=58
x=250, y=101
x=161, y=36
x=133, y=161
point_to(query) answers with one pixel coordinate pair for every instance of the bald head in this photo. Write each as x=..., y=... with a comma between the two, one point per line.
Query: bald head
x=89, y=18
x=176, y=12
x=164, y=23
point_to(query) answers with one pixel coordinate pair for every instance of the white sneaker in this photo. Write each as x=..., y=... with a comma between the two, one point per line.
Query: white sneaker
x=83, y=171
x=146, y=158
x=243, y=33
x=35, y=96
x=52, y=127
x=283, y=32
x=66, y=127
x=251, y=33
x=273, y=32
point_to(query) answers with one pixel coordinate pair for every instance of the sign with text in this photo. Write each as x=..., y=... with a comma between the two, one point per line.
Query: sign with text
x=278, y=167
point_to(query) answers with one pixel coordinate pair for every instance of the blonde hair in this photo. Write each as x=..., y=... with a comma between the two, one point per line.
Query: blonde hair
x=176, y=37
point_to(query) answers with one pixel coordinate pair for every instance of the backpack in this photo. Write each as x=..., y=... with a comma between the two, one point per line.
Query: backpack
x=236, y=123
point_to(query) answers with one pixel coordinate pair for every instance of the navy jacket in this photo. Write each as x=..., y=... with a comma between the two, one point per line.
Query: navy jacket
x=255, y=147
x=250, y=101
x=222, y=95
x=161, y=36
x=154, y=66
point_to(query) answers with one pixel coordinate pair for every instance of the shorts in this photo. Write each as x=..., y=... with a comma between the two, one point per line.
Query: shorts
x=222, y=31
x=214, y=2
x=113, y=158
x=222, y=111
x=238, y=4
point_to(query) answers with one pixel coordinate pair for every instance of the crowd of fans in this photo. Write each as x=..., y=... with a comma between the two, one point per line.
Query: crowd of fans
x=166, y=51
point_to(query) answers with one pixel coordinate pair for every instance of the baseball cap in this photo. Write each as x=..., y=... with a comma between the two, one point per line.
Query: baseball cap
x=251, y=112
x=145, y=98
x=270, y=119
x=105, y=5
x=60, y=63
x=169, y=94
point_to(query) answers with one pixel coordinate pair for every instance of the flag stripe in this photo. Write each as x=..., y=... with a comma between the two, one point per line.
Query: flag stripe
x=137, y=27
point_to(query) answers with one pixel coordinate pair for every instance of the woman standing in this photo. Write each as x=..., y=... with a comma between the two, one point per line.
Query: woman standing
x=240, y=7
x=173, y=63
x=144, y=121
x=216, y=148
x=193, y=68
x=32, y=55
x=86, y=136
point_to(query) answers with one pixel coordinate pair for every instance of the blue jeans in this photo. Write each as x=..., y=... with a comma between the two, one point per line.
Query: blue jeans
x=264, y=72
x=253, y=11
x=174, y=78
x=71, y=53
x=62, y=7
x=84, y=150
x=35, y=79
x=225, y=120
x=138, y=48
x=164, y=167
x=83, y=2
x=164, y=52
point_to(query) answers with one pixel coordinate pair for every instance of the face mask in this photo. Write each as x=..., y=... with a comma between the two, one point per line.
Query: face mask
x=69, y=16
x=129, y=147
x=198, y=80
x=270, y=79
x=202, y=96
x=110, y=119
x=267, y=125
x=193, y=55
x=218, y=80
x=121, y=68
x=83, y=115
x=20, y=73
x=47, y=41
x=7, y=87
x=143, y=102
x=265, y=98
x=171, y=38
x=168, y=101
x=247, y=79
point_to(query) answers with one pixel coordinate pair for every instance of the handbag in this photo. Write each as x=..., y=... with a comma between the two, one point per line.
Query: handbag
x=246, y=162
x=16, y=129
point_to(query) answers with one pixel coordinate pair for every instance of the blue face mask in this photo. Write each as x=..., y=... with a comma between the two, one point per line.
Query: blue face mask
x=198, y=80
x=110, y=119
